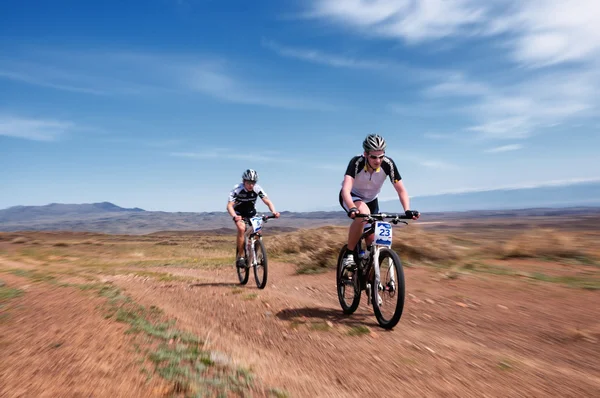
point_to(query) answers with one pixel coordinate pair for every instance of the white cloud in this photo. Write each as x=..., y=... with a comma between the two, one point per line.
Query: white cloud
x=540, y=32
x=504, y=148
x=34, y=129
x=553, y=31
x=411, y=20
x=525, y=107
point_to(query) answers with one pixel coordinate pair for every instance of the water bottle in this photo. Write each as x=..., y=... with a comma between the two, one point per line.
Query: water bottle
x=363, y=255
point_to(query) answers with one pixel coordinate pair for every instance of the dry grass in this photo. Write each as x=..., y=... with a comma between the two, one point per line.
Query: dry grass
x=313, y=250
x=547, y=243
x=316, y=250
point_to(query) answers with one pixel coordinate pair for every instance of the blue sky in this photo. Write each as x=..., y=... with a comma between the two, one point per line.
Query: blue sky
x=162, y=104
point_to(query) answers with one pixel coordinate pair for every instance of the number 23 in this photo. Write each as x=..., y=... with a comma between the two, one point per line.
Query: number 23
x=384, y=232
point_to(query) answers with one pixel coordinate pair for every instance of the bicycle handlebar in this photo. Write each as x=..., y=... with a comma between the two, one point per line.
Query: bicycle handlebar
x=395, y=218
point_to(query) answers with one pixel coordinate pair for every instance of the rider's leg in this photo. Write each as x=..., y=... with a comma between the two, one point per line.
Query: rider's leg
x=354, y=232
x=241, y=227
x=373, y=209
x=356, y=228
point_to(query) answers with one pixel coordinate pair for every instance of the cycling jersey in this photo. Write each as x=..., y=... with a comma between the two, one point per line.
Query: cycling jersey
x=244, y=201
x=366, y=185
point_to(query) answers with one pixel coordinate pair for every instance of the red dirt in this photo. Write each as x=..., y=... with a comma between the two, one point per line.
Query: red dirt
x=478, y=335
x=54, y=342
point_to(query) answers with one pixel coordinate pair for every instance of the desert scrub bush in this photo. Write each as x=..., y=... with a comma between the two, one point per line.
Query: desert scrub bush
x=546, y=243
x=316, y=250
x=417, y=244
x=19, y=240
x=313, y=250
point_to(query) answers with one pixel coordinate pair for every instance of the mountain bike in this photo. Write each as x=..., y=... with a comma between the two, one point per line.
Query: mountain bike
x=366, y=275
x=254, y=252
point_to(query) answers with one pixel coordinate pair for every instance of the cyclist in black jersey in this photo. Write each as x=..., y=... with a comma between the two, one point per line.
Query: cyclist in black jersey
x=364, y=177
x=241, y=205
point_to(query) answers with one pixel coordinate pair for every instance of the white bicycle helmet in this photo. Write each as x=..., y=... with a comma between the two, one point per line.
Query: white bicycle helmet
x=374, y=142
x=250, y=175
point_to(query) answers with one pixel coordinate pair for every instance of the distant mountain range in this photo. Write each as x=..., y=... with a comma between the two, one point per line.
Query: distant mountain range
x=53, y=210
x=107, y=217
x=573, y=195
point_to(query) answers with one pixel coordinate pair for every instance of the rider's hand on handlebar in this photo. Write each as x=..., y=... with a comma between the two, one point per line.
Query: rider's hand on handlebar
x=412, y=213
x=276, y=214
x=352, y=212
x=237, y=218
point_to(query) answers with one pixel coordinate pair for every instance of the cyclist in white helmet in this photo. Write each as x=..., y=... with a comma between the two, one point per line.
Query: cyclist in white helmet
x=241, y=205
x=365, y=175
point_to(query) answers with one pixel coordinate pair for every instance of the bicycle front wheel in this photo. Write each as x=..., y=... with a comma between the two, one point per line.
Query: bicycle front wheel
x=388, y=295
x=260, y=269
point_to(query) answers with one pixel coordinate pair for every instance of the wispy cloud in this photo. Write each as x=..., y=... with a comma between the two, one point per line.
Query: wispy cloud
x=539, y=33
x=411, y=20
x=439, y=136
x=165, y=143
x=527, y=105
x=234, y=154
x=34, y=129
x=504, y=148
x=547, y=32
x=319, y=57
x=95, y=73
x=525, y=185
x=425, y=161
x=47, y=81
x=438, y=165
x=558, y=42
x=217, y=84
x=133, y=73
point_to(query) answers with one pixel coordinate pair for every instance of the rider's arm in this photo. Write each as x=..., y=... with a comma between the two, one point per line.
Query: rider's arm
x=402, y=194
x=231, y=203
x=230, y=209
x=346, y=189
x=270, y=205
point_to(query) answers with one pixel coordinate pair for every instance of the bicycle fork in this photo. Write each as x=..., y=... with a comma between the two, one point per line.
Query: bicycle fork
x=250, y=252
x=377, y=277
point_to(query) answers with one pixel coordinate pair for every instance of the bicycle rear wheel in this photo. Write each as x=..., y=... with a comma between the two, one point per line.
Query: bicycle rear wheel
x=348, y=288
x=388, y=295
x=260, y=269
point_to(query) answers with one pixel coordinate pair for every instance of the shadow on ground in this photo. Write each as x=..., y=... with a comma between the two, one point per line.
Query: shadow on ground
x=335, y=316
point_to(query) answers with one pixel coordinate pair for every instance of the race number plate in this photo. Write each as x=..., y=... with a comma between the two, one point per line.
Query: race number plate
x=256, y=223
x=383, y=233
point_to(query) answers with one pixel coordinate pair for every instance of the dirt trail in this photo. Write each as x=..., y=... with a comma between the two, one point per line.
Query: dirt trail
x=473, y=336
x=54, y=342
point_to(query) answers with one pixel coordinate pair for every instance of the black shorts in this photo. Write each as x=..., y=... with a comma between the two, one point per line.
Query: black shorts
x=372, y=205
x=245, y=213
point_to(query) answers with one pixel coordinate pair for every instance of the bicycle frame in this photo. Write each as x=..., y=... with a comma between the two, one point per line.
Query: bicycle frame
x=374, y=251
x=250, y=236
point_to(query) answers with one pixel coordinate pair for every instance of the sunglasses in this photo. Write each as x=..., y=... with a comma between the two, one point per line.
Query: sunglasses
x=376, y=157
